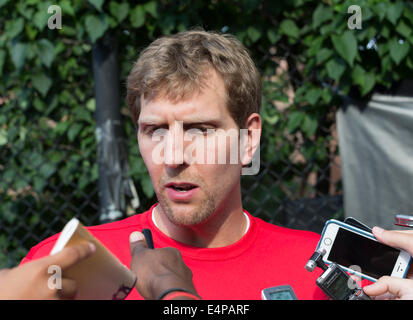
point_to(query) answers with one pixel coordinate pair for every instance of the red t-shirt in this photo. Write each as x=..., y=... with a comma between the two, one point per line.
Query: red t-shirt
x=266, y=256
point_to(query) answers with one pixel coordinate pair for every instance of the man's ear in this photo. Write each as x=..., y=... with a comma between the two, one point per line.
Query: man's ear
x=250, y=139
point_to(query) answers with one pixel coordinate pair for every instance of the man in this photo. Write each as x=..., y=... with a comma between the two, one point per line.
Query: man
x=200, y=86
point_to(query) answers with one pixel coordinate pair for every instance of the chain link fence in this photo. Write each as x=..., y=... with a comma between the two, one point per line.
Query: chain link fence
x=39, y=196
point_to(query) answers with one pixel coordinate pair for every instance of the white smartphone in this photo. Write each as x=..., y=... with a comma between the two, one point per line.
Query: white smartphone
x=368, y=258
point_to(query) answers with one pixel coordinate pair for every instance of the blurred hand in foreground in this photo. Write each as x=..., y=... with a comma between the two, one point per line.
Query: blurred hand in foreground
x=32, y=281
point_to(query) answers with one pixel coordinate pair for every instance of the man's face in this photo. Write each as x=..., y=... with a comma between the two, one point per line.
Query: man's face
x=191, y=183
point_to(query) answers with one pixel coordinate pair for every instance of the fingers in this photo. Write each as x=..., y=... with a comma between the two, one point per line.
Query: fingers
x=137, y=243
x=386, y=285
x=397, y=239
x=68, y=289
x=72, y=255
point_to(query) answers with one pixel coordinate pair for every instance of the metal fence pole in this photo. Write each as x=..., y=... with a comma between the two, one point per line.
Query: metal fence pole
x=112, y=159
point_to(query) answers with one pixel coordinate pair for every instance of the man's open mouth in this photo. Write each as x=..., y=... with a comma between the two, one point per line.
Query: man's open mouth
x=181, y=187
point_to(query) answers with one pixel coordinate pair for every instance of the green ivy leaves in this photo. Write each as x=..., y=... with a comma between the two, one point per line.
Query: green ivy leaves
x=45, y=51
x=137, y=16
x=289, y=28
x=119, y=10
x=42, y=83
x=18, y=53
x=96, y=26
x=346, y=46
x=362, y=58
x=398, y=50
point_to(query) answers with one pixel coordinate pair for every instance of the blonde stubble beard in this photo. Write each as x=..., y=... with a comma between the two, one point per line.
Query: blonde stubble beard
x=200, y=214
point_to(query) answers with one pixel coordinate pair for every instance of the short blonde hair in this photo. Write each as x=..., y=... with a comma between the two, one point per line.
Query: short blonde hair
x=175, y=66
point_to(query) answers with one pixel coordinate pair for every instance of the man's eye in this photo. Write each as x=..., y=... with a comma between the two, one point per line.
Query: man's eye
x=148, y=130
x=206, y=129
x=200, y=130
x=154, y=131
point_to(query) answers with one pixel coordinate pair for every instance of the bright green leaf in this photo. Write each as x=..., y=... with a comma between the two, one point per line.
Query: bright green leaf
x=312, y=95
x=272, y=119
x=96, y=26
x=404, y=29
x=326, y=95
x=253, y=33
x=14, y=27
x=137, y=16
x=3, y=137
x=47, y=169
x=73, y=131
x=67, y=7
x=45, y=50
x=31, y=32
x=41, y=83
x=394, y=10
x=335, y=68
x=366, y=81
x=321, y=14
x=346, y=46
x=39, y=183
x=119, y=10
x=39, y=104
x=309, y=125
x=382, y=49
x=3, y=2
x=294, y=120
x=97, y=4
x=273, y=36
x=18, y=52
x=91, y=104
x=369, y=82
x=26, y=12
x=357, y=75
x=398, y=50
x=289, y=28
x=380, y=10
x=408, y=13
x=151, y=8
x=40, y=19
x=323, y=54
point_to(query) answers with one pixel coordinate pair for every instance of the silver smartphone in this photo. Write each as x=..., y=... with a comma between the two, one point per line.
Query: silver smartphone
x=359, y=253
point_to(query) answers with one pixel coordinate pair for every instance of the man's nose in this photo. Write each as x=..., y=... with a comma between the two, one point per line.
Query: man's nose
x=174, y=146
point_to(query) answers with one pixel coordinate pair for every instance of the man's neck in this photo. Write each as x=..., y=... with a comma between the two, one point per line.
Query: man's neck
x=222, y=228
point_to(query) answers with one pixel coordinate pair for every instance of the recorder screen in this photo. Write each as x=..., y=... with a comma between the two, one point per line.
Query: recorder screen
x=374, y=259
x=281, y=295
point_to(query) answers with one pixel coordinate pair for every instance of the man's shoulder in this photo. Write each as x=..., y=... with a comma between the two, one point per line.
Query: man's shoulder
x=275, y=231
x=107, y=232
x=120, y=225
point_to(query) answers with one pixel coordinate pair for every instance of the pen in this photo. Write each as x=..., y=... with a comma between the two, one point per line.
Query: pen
x=148, y=236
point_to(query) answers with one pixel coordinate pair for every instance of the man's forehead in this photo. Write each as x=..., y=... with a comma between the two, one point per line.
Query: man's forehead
x=153, y=118
x=206, y=103
x=188, y=111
